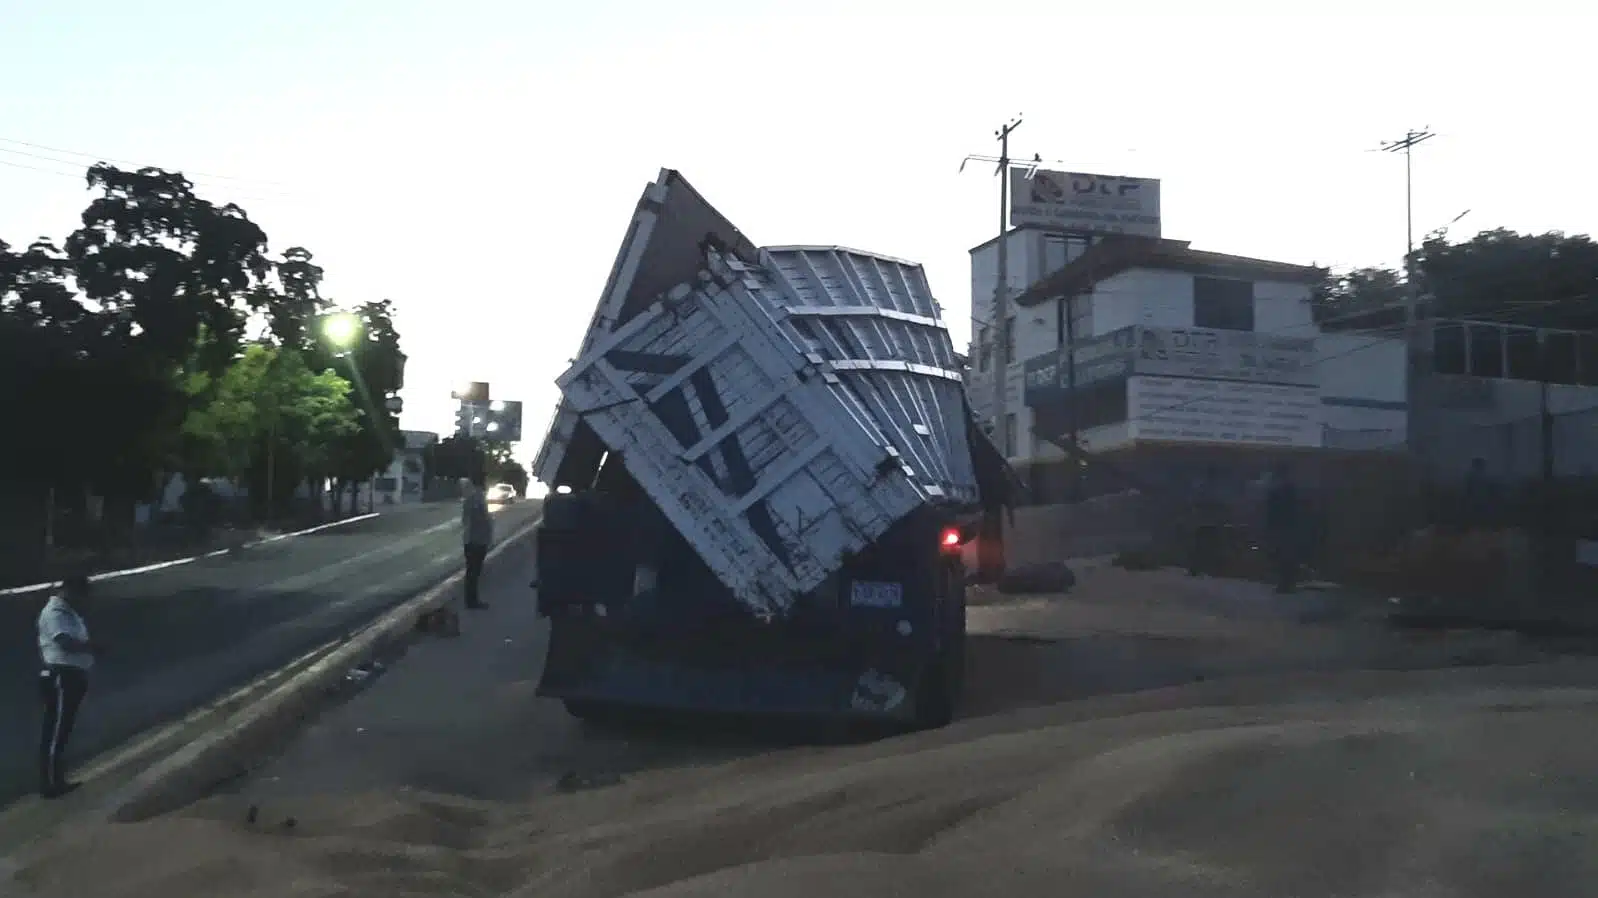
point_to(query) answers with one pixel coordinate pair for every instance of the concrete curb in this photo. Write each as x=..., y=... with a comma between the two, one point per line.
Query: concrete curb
x=224, y=753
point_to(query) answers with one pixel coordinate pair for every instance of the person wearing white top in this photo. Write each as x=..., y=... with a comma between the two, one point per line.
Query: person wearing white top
x=66, y=654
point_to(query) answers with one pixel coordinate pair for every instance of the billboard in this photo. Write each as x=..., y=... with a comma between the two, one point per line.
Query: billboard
x=472, y=391
x=1190, y=410
x=1085, y=203
x=1226, y=355
x=498, y=420
x=1195, y=384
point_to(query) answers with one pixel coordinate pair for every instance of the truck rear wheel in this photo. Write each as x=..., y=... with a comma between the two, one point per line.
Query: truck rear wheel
x=936, y=697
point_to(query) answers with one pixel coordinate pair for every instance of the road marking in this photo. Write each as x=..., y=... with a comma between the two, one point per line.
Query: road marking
x=163, y=565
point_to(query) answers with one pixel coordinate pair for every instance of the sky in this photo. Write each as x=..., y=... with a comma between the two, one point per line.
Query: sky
x=477, y=161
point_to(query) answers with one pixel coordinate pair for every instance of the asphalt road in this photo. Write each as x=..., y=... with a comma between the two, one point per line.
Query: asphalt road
x=183, y=636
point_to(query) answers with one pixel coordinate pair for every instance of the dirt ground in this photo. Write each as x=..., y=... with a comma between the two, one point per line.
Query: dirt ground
x=1148, y=735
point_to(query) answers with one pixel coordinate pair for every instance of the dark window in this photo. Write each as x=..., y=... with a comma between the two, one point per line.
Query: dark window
x=1486, y=350
x=1522, y=353
x=1448, y=348
x=1587, y=358
x=1559, y=357
x=1224, y=304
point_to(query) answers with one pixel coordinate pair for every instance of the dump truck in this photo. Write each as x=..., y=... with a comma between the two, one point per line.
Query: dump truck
x=761, y=472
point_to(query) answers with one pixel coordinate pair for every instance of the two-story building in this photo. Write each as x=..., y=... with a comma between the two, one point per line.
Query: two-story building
x=1167, y=343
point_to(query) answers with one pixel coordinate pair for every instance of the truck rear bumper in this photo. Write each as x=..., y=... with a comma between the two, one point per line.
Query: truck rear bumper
x=586, y=664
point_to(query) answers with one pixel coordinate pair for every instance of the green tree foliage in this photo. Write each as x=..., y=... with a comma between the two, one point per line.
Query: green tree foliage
x=267, y=397
x=133, y=339
x=375, y=366
x=1543, y=280
x=513, y=473
x=455, y=457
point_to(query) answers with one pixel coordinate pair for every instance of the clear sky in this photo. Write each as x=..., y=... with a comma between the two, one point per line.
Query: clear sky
x=477, y=161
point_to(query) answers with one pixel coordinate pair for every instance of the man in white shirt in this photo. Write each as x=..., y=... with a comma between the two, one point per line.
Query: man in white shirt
x=66, y=654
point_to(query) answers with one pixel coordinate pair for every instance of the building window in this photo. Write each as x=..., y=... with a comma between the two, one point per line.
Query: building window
x=1009, y=340
x=1009, y=447
x=1223, y=303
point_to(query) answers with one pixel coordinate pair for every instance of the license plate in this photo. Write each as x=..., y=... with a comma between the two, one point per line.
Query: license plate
x=876, y=594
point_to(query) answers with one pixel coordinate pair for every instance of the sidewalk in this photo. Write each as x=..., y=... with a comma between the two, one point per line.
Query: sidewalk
x=457, y=716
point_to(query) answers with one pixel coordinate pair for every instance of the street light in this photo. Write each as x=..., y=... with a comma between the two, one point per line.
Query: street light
x=341, y=329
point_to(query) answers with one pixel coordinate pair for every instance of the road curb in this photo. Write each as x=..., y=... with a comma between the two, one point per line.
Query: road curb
x=224, y=753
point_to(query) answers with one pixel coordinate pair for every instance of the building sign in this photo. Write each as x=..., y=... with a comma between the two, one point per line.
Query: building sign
x=1084, y=203
x=1189, y=410
x=1227, y=355
x=1047, y=379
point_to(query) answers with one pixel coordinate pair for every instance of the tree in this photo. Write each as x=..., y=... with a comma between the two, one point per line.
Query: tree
x=513, y=473
x=1547, y=280
x=374, y=364
x=268, y=408
x=1355, y=291
x=455, y=457
x=1541, y=280
x=103, y=328
x=132, y=338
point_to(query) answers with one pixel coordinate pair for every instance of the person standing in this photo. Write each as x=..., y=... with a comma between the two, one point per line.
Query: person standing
x=66, y=654
x=1283, y=524
x=477, y=533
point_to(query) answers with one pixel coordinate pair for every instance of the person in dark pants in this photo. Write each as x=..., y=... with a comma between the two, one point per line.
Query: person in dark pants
x=477, y=534
x=1208, y=520
x=1283, y=524
x=66, y=654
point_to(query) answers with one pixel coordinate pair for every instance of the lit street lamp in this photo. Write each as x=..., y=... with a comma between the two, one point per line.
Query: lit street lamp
x=341, y=329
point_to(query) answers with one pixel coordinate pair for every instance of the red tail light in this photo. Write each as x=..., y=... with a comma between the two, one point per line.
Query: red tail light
x=949, y=541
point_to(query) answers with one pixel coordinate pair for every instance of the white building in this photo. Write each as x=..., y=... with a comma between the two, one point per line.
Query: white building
x=1116, y=293
x=405, y=479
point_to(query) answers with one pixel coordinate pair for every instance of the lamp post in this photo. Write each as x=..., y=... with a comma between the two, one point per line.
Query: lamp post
x=340, y=330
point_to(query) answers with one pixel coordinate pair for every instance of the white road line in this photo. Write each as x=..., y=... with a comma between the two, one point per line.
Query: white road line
x=162, y=565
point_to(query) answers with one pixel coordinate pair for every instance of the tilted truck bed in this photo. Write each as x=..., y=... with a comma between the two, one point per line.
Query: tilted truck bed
x=659, y=251
x=774, y=458
x=782, y=407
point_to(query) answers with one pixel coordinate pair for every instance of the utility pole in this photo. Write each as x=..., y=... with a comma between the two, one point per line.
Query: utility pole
x=1001, y=293
x=1070, y=391
x=1419, y=362
x=1406, y=145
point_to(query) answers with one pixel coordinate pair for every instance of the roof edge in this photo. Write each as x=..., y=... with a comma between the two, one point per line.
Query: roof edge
x=1116, y=254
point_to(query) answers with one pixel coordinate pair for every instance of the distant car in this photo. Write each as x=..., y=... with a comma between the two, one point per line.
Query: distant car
x=502, y=493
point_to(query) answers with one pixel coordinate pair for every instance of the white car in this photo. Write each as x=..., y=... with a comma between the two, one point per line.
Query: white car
x=501, y=494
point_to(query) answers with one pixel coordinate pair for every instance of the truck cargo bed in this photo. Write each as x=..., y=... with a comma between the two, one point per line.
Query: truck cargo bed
x=739, y=442
x=782, y=407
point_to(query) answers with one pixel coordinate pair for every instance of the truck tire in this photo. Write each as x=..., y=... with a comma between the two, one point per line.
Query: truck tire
x=935, y=698
x=944, y=680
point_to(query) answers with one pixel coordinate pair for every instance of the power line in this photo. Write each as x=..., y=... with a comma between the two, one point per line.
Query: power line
x=226, y=189
x=98, y=157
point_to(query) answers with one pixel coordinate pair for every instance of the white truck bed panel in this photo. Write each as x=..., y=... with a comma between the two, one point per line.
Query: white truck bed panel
x=740, y=439
x=876, y=326
x=660, y=251
x=783, y=407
